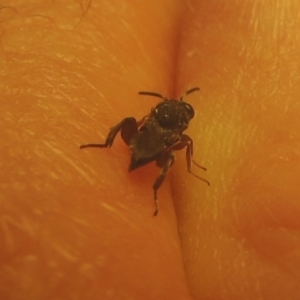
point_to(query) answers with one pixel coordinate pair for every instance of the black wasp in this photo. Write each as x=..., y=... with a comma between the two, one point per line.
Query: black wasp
x=156, y=136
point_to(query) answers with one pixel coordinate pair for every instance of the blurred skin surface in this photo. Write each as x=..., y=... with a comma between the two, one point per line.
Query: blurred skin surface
x=74, y=224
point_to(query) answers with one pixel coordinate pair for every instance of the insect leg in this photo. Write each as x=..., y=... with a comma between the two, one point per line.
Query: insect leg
x=190, y=151
x=168, y=161
x=128, y=127
x=187, y=142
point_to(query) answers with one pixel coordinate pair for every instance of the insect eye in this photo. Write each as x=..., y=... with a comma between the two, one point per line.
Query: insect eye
x=189, y=110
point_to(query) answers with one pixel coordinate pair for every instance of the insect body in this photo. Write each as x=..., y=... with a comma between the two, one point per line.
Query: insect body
x=156, y=136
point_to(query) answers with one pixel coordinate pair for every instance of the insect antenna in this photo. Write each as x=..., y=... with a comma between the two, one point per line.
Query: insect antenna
x=152, y=94
x=162, y=97
x=189, y=92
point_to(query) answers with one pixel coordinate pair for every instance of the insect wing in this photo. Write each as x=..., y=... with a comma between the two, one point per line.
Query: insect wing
x=146, y=145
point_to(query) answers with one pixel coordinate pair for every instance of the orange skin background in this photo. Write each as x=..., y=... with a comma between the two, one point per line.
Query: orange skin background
x=74, y=224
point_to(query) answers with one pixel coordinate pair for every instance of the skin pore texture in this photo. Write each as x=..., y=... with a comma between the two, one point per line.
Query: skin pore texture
x=74, y=224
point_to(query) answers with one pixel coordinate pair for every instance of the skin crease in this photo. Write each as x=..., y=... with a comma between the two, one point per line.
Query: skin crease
x=75, y=224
